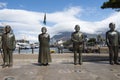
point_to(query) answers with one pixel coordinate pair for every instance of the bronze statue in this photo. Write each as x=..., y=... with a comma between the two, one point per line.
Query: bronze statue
x=78, y=40
x=44, y=47
x=8, y=45
x=113, y=41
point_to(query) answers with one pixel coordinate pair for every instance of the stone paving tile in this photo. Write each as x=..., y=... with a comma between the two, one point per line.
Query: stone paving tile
x=88, y=71
x=61, y=68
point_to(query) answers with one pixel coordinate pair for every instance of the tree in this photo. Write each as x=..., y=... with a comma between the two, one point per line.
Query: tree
x=91, y=41
x=114, y=4
x=67, y=43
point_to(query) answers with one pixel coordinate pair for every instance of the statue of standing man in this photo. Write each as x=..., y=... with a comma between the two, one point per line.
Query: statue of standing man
x=113, y=41
x=44, y=48
x=8, y=45
x=78, y=41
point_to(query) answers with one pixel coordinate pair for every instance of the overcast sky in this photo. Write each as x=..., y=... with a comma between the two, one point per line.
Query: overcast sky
x=26, y=16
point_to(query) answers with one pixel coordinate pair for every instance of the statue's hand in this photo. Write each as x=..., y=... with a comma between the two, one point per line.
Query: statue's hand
x=13, y=49
x=80, y=42
x=109, y=45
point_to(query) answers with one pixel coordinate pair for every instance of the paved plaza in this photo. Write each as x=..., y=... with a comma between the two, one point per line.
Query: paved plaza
x=95, y=67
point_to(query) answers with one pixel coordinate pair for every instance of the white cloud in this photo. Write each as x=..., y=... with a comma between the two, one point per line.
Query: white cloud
x=3, y=5
x=69, y=14
x=27, y=24
x=21, y=16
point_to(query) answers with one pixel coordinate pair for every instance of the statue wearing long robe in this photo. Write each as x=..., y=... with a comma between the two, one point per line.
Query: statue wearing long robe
x=44, y=48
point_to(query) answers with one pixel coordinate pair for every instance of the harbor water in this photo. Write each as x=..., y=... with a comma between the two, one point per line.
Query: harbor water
x=36, y=51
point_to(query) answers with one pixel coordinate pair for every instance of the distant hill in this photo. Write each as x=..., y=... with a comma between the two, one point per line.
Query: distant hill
x=67, y=35
x=62, y=36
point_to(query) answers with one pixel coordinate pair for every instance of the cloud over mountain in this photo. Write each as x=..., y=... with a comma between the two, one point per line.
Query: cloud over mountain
x=27, y=24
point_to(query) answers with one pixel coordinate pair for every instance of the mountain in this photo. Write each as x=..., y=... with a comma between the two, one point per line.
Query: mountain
x=62, y=36
x=67, y=35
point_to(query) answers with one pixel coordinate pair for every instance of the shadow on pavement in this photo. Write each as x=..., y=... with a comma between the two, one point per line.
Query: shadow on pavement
x=67, y=62
x=36, y=64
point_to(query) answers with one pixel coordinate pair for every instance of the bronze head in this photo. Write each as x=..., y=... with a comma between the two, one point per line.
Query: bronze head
x=77, y=28
x=44, y=29
x=112, y=26
x=7, y=29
